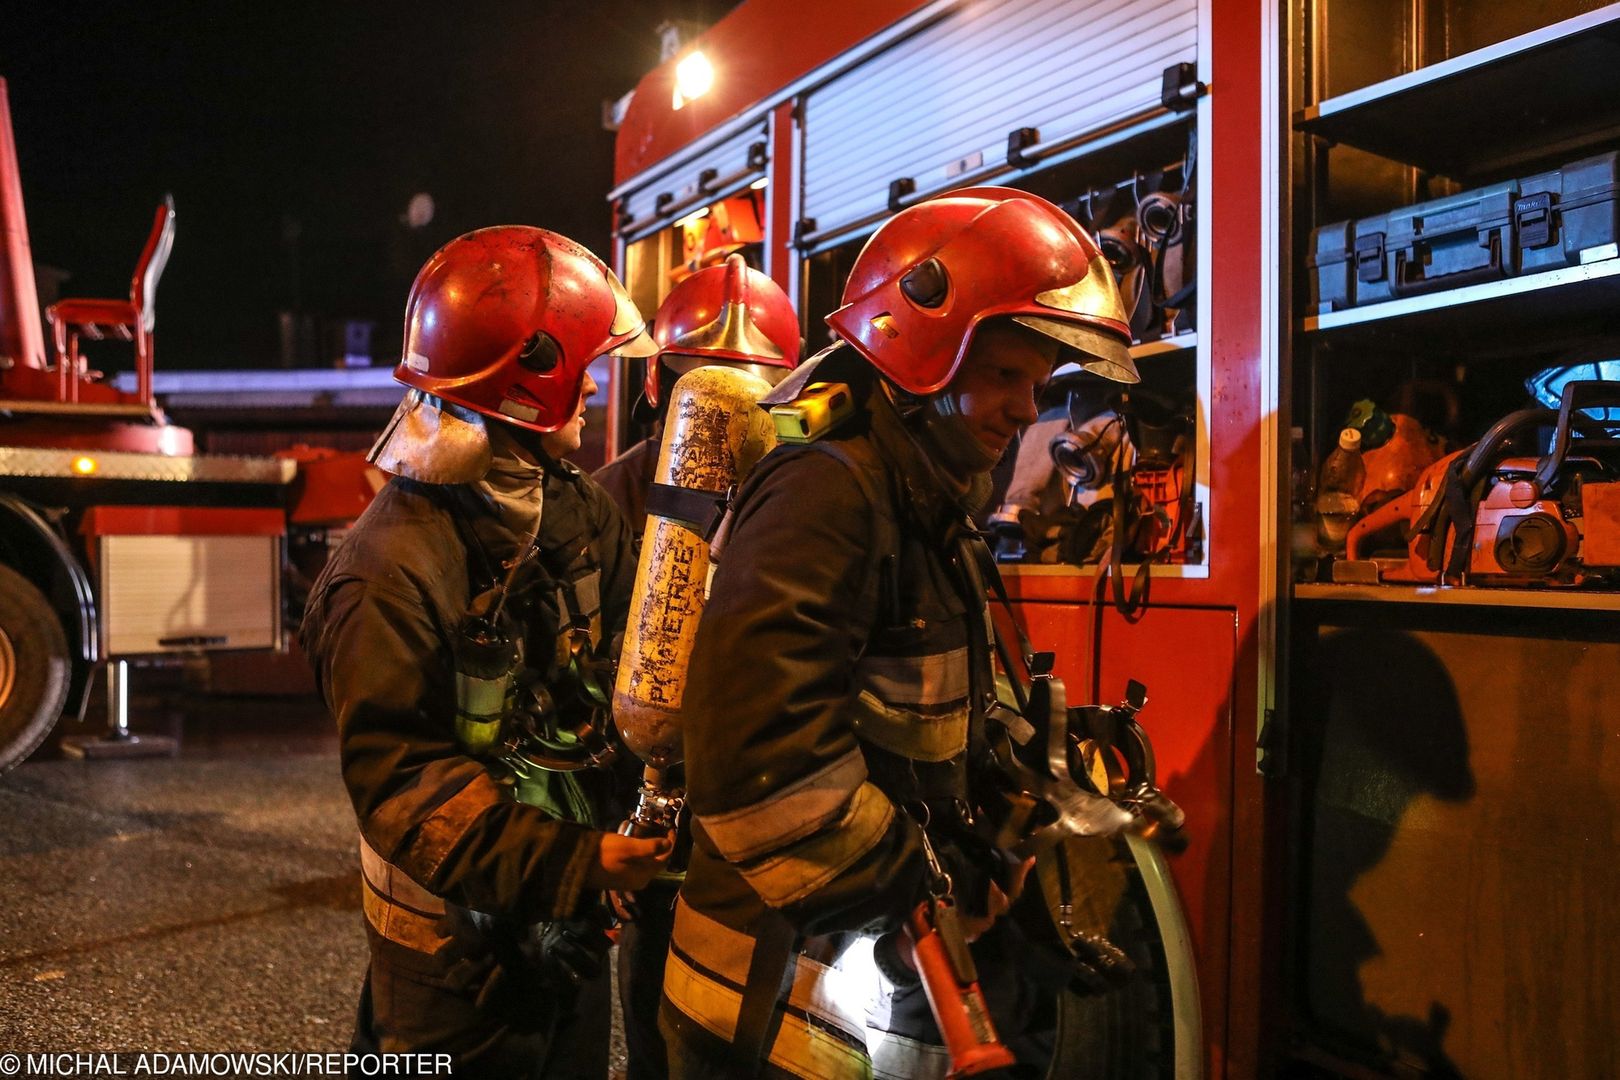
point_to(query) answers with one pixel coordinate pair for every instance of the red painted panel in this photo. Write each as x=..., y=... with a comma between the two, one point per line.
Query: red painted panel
x=1184, y=656
x=758, y=49
x=779, y=253
x=181, y=521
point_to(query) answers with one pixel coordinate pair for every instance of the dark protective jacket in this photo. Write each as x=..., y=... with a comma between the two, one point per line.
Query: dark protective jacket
x=627, y=477
x=457, y=872
x=644, y=941
x=838, y=679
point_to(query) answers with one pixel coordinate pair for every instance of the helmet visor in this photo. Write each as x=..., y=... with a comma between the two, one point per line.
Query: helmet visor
x=1101, y=353
x=628, y=323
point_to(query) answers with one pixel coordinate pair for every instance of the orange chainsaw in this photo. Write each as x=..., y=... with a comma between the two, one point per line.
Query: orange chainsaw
x=1483, y=516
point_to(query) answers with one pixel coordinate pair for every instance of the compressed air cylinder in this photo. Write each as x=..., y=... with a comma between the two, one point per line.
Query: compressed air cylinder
x=714, y=434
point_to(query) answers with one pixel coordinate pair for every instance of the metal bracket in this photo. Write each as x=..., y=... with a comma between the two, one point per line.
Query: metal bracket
x=802, y=228
x=898, y=190
x=1180, y=89
x=1019, y=140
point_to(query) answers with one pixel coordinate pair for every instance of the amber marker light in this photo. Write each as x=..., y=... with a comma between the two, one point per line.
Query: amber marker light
x=84, y=465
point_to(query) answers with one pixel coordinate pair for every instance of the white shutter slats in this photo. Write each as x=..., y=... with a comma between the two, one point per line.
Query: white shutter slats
x=958, y=86
x=683, y=183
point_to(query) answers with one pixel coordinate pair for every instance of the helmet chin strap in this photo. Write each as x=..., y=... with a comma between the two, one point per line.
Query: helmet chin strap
x=962, y=462
x=948, y=435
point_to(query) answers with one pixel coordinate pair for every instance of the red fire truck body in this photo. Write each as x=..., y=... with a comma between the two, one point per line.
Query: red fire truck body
x=1401, y=799
x=799, y=99
x=118, y=542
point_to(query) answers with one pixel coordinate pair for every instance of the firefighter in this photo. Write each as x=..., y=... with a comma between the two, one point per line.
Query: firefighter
x=734, y=316
x=483, y=907
x=835, y=709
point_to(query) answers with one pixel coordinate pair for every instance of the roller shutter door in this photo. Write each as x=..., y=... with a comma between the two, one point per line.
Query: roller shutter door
x=943, y=101
x=711, y=174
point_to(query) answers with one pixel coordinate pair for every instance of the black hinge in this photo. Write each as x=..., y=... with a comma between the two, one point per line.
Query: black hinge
x=1370, y=257
x=1180, y=89
x=898, y=190
x=1019, y=140
x=663, y=200
x=1533, y=220
x=801, y=229
x=756, y=155
x=706, y=177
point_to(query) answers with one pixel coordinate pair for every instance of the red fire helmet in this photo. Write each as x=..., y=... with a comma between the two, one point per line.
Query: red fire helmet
x=932, y=273
x=728, y=314
x=505, y=321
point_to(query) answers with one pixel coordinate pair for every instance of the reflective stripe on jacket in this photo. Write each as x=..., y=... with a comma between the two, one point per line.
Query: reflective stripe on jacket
x=455, y=868
x=830, y=686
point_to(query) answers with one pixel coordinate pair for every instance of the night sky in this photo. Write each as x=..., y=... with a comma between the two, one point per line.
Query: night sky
x=293, y=137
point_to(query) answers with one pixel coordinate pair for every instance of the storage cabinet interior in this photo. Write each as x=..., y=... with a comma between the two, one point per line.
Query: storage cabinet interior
x=1455, y=226
x=1425, y=718
x=656, y=261
x=1139, y=198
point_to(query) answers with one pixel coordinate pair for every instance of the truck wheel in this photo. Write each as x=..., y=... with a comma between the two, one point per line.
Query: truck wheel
x=34, y=668
x=1128, y=1033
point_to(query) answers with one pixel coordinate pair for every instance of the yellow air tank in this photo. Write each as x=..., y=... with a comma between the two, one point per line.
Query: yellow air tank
x=714, y=434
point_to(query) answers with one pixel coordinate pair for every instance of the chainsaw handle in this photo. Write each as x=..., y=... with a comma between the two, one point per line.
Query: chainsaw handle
x=1599, y=392
x=1384, y=516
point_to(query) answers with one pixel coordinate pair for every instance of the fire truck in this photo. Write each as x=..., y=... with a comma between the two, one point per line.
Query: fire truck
x=1372, y=886
x=119, y=543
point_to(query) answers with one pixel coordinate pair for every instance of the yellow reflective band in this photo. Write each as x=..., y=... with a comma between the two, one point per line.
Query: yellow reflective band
x=706, y=990
x=910, y=734
x=791, y=814
x=392, y=883
x=787, y=878
x=896, y=1057
x=799, y=1048
x=399, y=924
x=477, y=736
x=936, y=679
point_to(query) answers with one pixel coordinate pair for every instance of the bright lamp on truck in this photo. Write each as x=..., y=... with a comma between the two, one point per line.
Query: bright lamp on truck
x=694, y=75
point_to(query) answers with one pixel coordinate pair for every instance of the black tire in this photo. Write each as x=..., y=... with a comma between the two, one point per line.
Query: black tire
x=34, y=668
x=1128, y=1033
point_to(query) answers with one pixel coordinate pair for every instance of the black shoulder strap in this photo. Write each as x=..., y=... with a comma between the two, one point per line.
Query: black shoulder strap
x=770, y=978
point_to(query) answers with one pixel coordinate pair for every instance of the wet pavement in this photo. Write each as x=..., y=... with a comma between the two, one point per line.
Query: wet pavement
x=209, y=901
x=205, y=902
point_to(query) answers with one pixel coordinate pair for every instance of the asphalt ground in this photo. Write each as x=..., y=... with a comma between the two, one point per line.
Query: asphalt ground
x=205, y=902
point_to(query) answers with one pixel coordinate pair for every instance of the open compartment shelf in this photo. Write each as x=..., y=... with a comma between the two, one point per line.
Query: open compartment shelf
x=1178, y=343
x=1493, y=316
x=1536, y=97
x=1467, y=596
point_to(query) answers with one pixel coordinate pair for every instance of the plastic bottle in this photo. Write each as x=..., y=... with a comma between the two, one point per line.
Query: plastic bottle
x=1337, y=488
x=1302, y=509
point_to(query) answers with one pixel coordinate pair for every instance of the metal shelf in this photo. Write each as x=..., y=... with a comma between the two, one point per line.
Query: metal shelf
x=1178, y=343
x=1510, y=314
x=1537, y=97
x=1461, y=596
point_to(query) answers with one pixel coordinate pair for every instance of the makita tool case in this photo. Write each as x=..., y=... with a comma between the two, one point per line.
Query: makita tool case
x=1557, y=218
x=1567, y=216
